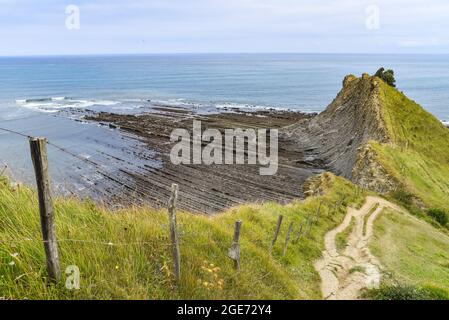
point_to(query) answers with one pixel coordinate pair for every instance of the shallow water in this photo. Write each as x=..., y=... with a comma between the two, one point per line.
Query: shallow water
x=91, y=153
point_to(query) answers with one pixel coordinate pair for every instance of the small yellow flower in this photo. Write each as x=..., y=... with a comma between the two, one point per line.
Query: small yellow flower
x=211, y=279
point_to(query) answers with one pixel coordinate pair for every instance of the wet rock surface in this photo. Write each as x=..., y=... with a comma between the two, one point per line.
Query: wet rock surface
x=212, y=188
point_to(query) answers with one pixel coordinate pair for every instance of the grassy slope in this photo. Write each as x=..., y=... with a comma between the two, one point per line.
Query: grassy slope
x=413, y=252
x=342, y=237
x=419, y=155
x=132, y=269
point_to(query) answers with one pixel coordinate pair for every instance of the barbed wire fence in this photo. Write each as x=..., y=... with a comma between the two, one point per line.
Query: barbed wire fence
x=134, y=192
x=46, y=208
x=38, y=148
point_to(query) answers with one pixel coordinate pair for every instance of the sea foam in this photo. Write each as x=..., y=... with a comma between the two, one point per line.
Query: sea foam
x=54, y=104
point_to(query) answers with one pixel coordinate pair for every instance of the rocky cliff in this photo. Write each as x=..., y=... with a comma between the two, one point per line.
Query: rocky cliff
x=339, y=135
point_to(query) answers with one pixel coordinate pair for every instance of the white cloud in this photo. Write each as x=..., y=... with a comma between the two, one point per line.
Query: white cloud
x=224, y=25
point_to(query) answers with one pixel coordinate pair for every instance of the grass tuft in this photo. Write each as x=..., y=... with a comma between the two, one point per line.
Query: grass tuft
x=405, y=292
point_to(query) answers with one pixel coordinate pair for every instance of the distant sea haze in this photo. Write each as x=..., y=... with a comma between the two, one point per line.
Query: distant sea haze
x=305, y=82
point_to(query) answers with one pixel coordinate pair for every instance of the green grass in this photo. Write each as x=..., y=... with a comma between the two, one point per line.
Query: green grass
x=357, y=269
x=404, y=292
x=366, y=217
x=418, y=157
x=341, y=240
x=414, y=254
x=139, y=265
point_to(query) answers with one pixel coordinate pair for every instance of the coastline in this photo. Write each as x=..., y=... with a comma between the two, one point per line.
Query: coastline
x=212, y=188
x=141, y=172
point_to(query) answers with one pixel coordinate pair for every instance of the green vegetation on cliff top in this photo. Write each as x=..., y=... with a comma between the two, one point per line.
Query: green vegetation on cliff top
x=419, y=155
x=413, y=253
x=415, y=257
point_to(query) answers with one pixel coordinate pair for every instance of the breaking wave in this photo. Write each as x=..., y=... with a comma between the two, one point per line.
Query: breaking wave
x=55, y=104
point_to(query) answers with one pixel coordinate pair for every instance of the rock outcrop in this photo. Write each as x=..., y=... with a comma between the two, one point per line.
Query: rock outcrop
x=339, y=136
x=370, y=174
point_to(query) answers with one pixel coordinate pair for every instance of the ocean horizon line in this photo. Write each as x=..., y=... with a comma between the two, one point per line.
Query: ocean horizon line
x=224, y=53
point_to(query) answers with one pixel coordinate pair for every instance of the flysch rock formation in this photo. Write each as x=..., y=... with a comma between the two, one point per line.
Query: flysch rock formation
x=338, y=137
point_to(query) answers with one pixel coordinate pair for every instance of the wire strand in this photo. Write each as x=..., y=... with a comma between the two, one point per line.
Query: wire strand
x=96, y=166
x=16, y=132
x=106, y=243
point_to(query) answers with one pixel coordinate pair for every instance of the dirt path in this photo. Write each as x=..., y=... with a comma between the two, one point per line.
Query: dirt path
x=344, y=274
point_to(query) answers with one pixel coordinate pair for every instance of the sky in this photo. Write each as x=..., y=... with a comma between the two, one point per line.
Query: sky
x=44, y=27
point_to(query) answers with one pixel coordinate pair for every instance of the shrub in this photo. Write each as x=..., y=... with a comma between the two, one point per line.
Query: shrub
x=404, y=197
x=439, y=215
x=406, y=292
x=387, y=76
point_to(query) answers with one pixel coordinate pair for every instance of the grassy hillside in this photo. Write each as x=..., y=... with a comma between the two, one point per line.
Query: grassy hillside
x=126, y=254
x=413, y=253
x=138, y=265
x=419, y=155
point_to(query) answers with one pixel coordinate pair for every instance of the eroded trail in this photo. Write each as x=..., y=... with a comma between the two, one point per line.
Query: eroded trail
x=344, y=274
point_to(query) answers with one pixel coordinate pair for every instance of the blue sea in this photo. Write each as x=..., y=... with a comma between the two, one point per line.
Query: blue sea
x=33, y=91
x=305, y=82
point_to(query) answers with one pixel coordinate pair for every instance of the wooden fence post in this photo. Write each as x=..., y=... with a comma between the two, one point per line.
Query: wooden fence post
x=300, y=232
x=309, y=224
x=276, y=234
x=287, y=238
x=38, y=147
x=313, y=219
x=318, y=213
x=234, y=252
x=174, y=232
x=334, y=211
